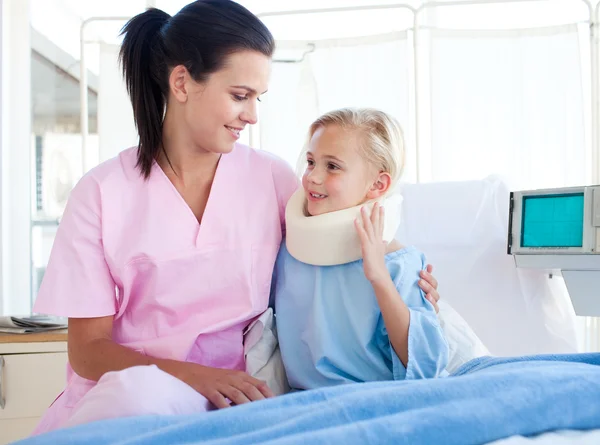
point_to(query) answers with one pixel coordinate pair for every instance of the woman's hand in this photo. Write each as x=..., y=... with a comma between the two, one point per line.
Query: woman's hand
x=370, y=233
x=429, y=285
x=218, y=385
x=92, y=353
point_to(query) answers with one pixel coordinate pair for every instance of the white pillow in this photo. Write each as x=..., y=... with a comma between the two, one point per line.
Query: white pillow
x=263, y=358
x=463, y=343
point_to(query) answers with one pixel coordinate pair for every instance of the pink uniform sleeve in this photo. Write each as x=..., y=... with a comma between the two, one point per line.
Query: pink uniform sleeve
x=286, y=183
x=77, y=282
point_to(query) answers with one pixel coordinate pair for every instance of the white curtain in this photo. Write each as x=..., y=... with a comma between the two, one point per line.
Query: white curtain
x=373, y=72
x=513, y=103
x=287, y=110
x=516, y=104
x=510, y=103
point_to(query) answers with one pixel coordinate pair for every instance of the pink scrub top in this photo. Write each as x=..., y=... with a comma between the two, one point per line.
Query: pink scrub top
x=133, y=249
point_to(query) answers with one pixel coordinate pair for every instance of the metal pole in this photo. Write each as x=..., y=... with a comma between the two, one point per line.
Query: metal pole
x=83, y=96
x=416, y=84
x=595, y=56
x=83, y=86
x=340, y=9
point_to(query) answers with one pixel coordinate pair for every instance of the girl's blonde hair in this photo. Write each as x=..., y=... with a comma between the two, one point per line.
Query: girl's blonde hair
x=382, y=140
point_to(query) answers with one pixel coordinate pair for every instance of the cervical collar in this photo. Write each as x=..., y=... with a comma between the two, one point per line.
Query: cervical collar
x=331, y=238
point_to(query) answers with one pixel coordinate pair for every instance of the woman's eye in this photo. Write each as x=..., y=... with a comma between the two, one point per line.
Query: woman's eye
x=239, y=98
x=333, y=167
x=310, y=162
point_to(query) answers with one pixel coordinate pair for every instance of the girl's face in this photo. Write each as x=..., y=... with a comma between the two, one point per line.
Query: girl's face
x=337, y=176
x=212, y=113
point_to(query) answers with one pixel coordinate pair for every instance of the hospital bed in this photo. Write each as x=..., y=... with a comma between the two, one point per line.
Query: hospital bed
x=462, y=227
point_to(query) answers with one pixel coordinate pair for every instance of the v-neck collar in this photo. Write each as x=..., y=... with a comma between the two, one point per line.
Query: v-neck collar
x=200, y=226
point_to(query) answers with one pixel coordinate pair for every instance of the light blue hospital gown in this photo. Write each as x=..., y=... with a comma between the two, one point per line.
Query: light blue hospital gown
x=331, y=330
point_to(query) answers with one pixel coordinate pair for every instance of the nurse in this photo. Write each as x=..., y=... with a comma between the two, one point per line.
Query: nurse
x=165, y=254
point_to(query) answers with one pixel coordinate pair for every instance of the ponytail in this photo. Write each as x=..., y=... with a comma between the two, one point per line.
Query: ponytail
x=142, y=59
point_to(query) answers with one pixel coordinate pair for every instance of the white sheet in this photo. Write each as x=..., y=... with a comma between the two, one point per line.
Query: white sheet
x=565, y=437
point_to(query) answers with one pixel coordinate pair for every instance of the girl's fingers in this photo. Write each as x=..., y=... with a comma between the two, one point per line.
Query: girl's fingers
x=375, y=220
x=366, y=223
x=362, y=234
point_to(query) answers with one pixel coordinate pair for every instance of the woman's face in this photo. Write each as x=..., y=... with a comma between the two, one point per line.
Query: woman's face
x=215, y=111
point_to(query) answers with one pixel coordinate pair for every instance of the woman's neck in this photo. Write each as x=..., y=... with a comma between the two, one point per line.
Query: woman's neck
x=181, y=157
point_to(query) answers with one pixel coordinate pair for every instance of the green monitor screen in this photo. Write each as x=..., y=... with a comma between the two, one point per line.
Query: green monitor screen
x=552, y=221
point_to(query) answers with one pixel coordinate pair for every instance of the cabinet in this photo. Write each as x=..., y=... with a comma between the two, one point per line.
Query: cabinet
x=32, y=375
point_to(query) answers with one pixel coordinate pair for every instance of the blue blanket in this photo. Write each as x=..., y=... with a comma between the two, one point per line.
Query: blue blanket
x=487, y=399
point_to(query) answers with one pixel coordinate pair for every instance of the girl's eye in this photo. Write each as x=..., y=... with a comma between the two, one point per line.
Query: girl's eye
x=333, y=167
x=239, y=98
x=310, y=162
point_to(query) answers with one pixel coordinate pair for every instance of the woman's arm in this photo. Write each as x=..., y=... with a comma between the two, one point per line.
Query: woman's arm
x=92, y=353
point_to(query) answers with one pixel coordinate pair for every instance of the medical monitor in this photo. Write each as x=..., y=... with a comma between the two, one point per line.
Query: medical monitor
x=563, y=220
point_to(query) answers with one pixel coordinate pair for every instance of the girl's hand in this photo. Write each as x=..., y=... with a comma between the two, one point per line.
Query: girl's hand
x=370, y=233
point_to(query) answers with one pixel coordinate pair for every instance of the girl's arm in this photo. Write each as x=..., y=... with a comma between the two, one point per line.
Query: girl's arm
x=410, y=320
x=396, y=316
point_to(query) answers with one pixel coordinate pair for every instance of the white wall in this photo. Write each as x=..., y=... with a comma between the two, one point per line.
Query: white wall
x=16, y=157
x=116, y=128
x=3, y=164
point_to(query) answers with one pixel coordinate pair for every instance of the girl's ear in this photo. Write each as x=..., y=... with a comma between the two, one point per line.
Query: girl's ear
x=380, y=187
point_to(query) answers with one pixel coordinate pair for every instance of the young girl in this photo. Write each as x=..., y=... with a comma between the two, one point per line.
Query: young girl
x=356, y=312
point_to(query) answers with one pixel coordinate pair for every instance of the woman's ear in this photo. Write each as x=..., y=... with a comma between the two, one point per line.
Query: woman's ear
x=380, y=187
x=178, y=83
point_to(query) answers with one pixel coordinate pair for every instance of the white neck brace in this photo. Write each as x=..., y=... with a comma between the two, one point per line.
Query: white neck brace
x=330, y=239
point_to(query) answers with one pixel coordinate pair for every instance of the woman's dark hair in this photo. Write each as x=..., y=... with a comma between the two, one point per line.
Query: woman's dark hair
x=200, y=37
